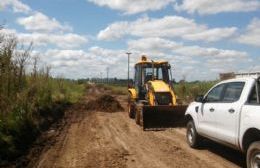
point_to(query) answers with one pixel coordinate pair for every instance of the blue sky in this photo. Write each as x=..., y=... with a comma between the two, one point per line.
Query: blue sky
x=81, y=38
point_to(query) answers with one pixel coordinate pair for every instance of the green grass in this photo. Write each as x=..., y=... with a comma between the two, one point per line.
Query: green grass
x=188, y=91
x=33, y=110
x=116, y=89
x=70, y=91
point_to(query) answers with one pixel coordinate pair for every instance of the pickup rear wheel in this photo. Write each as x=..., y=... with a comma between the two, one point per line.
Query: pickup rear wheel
x=192, y=137
x=253, y=155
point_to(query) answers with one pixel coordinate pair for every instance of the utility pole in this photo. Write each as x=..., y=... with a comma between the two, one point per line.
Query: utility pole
x=101, y=78
x=107, y=74
x=128, y=54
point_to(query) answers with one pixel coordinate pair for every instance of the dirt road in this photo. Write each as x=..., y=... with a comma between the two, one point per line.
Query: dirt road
x=102, y=140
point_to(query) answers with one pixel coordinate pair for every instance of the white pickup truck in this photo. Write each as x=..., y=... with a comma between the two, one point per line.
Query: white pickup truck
x=229, y=113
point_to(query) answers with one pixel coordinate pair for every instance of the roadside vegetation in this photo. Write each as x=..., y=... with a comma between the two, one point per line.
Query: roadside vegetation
x=188, y=91
x=30, y=99
x=185, y=91
x=118, y=89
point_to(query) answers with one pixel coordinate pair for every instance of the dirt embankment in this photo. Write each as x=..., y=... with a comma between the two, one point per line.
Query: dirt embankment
x=91, y=138
x=106, y=103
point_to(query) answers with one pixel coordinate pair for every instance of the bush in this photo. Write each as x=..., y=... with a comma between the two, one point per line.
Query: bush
x=29, y=102
x=188, y=91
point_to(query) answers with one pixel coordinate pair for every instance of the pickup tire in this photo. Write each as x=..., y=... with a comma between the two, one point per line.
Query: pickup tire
x=253, y=155
x=192, y=137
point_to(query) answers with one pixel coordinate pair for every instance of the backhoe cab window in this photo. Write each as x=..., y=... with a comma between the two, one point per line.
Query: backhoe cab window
x=156, y=73
x=146, y=72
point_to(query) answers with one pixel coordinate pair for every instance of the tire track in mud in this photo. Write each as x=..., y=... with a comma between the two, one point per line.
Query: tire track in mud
x=148, y=150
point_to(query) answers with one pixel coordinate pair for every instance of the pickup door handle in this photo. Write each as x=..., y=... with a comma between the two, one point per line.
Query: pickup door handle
x=231, y=110
x=211, y=109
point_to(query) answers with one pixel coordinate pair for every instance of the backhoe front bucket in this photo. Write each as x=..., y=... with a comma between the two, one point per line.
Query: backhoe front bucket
x=163, y=116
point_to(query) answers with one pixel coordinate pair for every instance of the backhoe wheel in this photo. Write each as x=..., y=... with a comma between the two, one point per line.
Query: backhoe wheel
x=139, y=115
x=192, y=137
x=131, y=110
x=253, y=155
x=131, y=107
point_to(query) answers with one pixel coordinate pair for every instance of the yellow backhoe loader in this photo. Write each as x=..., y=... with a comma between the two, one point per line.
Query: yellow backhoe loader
x=152, y=101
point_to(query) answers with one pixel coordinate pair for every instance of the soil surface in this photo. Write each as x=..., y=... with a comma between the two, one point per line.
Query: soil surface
x=98, y=139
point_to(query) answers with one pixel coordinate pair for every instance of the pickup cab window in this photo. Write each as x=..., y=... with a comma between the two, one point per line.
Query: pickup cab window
x=227, y=92
x=215, y=94
x=233, y=91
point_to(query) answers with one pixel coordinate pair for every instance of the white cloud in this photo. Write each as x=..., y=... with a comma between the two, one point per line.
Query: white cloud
x=40, y=22
x=252, y=35
x=89, y=63
x=149, y=45
x=210, y=52
x=193, y=62
x=190, y=61
x=133, y=6
x=69, y=40
x=214, y=34
x=156, y=47
x=8, y=31
x=69, y=55
x=16, y=5
x=114, y=31
x=106, y=56
x=64, y=58
x=168, y=26
x=217, y=6
x=61, y=63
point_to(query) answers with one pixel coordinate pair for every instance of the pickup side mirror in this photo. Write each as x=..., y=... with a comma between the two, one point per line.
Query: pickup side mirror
x=200, y=99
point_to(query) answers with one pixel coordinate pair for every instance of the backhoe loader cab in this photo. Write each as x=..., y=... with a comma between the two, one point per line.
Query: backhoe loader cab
x=152, y=99
x=150, y=71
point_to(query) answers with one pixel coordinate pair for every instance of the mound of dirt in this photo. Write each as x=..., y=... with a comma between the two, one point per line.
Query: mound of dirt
x=105, y=103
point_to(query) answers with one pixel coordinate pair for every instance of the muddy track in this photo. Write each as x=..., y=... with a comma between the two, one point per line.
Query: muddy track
x=104, y=140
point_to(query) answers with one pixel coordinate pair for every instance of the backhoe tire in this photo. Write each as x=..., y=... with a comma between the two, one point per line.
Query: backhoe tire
x=139, y=115
x=192, y=137
x=131, y=107
x=131, y=110
x=253, y=155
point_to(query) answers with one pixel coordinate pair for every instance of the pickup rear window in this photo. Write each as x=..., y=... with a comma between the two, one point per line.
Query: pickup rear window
x=253, y=95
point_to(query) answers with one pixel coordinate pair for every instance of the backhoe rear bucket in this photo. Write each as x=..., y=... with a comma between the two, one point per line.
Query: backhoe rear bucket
x=163, y=116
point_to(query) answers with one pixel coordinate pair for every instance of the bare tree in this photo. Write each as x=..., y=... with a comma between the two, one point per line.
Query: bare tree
x=22, y=58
